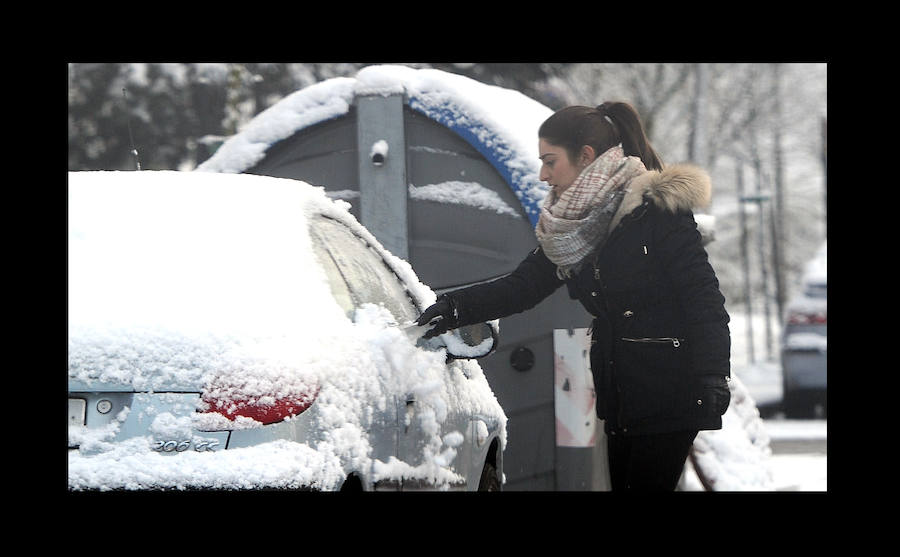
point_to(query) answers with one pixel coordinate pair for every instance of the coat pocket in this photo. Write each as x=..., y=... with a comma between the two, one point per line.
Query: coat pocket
x=649, y=372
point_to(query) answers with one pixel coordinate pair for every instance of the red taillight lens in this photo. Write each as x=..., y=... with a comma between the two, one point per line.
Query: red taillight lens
x=265, y=410
x=806, y=318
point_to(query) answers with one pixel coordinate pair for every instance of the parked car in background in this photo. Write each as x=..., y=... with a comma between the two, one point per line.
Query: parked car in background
x=230, y=331
x=804, y=343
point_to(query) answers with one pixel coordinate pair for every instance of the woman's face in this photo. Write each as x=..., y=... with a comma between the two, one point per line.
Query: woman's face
x=557, y=169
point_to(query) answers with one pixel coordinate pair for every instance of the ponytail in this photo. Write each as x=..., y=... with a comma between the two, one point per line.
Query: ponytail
x=631, y=132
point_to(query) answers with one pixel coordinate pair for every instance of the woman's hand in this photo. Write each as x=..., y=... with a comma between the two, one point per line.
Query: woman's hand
x=442, y=315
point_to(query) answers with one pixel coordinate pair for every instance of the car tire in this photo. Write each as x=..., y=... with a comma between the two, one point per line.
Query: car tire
x=489, y=480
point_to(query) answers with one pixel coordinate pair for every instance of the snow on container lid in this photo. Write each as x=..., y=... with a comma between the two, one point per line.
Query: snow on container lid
x=499, y=123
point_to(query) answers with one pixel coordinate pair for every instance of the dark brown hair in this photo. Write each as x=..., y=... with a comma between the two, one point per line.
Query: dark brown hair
x=602, y=128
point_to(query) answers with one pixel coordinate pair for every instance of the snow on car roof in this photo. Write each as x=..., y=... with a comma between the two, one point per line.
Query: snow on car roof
x=500, y=123
x=174, y=261
x=184, y=277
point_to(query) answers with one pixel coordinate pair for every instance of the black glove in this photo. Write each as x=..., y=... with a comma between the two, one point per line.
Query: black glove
x=715, y=394
x=441, y=314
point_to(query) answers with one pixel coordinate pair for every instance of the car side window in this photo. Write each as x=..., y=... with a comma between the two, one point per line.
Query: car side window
x=356, y=273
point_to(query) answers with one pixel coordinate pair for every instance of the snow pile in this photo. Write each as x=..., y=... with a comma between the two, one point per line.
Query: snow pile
x=736, y=457
x=194, y=280
x=500, y=123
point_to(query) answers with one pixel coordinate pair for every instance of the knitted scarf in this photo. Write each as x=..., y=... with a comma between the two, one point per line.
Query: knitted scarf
x=575, y=224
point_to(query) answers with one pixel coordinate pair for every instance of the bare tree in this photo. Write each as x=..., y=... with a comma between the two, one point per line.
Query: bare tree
x=778, y=222
x=697, y=143
x=655, y=86
x=734, y=106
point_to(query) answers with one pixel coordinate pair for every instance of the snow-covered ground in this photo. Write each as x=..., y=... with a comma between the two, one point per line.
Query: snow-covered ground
x=792, y=472
x=800, y=471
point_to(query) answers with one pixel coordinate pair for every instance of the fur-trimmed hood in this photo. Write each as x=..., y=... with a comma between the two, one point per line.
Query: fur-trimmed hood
x=676, y=187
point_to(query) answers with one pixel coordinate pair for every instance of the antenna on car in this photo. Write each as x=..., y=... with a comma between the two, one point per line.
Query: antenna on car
x=134, y=151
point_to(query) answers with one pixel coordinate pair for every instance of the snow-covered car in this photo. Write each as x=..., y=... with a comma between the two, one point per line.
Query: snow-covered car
x=230, y=331
x=804, y=342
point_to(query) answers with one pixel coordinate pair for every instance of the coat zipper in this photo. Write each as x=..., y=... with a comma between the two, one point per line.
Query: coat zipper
x=633, y=216
x=676, y=342
x=611, y=378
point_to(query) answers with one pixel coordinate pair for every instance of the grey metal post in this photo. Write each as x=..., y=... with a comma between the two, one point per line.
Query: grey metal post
x=382, y=170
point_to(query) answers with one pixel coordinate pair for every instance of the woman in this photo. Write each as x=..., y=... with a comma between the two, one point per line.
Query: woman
x=618, y=231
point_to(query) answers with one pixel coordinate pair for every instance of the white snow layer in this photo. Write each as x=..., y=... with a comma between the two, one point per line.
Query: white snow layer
x=210, y=279
x=501, y=123
x=471, y=194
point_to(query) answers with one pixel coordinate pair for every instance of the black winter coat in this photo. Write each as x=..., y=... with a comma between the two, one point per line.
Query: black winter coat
x=660, y=348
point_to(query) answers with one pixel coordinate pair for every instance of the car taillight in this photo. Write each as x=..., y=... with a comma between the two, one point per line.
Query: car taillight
x=266, y=410
x=807, y=318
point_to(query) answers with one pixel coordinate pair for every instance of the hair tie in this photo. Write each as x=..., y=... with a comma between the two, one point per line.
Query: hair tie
x=602, y=110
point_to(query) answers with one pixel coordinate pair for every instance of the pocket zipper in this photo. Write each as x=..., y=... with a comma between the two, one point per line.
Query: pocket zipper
x=676, y=342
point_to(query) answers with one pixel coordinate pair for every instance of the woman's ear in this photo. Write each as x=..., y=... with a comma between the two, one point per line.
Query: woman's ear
x=587, y=155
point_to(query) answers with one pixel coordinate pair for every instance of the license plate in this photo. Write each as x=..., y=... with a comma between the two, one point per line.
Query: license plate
x=76, y=411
